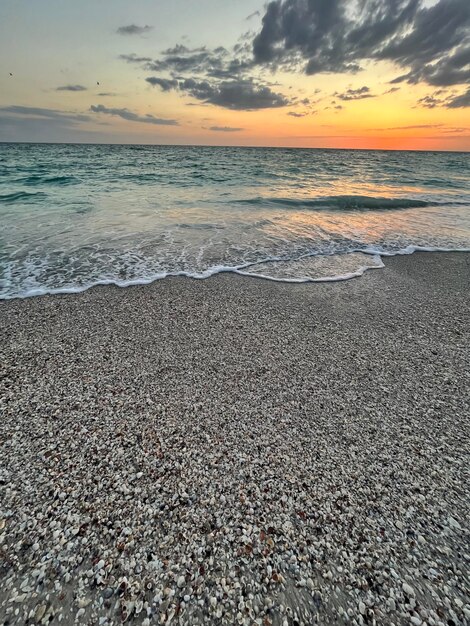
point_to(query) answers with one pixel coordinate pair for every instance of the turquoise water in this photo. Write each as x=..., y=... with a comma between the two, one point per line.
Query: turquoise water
x=72, y=216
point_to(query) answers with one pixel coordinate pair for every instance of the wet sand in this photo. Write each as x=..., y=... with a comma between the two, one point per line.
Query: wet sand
x=239, y=451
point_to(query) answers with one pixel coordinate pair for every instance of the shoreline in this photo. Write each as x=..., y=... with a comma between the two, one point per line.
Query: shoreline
x=236, y=451
x=241, y=271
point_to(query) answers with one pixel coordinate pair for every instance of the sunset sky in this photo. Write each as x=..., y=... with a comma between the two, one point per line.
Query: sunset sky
x=387, y=74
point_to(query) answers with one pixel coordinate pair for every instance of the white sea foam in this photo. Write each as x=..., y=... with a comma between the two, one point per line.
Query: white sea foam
x=240, y=270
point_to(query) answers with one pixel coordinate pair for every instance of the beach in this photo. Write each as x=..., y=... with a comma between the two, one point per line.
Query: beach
x=239, y=451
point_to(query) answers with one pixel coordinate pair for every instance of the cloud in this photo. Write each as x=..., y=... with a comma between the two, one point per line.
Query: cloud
x=166, y=84
x=239, y=95
x=430, y=102
x=415, y=126
x=441, y=98
x=71, y=88
x=294, y=114
x=132, y=117
x=134, y=58
x=392, y=90
x=459, y=101
x=214, y=63
x=225, y=129
x=133, y=29
x=22, y=123
x=355, y=94
x=38, y=112
x=252, y=15
x=213, y=76
x=106, y=94
x=431, y=43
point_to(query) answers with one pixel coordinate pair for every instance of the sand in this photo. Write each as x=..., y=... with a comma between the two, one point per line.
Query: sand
x=239, y=451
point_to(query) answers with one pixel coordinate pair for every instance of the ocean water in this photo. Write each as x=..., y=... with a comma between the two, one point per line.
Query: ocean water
x=73, y=216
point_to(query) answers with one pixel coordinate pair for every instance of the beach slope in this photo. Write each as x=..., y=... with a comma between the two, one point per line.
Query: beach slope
x=239, y=451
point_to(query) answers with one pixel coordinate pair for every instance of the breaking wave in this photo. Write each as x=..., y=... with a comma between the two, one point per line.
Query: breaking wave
x=340, y=203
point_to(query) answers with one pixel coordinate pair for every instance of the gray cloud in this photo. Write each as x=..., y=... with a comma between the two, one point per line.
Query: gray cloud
x=215, y=76
x=106, y=94
x=240, y=95
x=442, y=98
x=428, y=43
x=38, y=112
x=225, y=129
x=355, y=94
x=432, y=43
x=217, y=63
x=131, y=116
x=71, y=88
x=294, y=114
x=21, y=123
x=166, y=84
x=134, y=58
x=133, y=29
x=459, y=101
x=430, y=102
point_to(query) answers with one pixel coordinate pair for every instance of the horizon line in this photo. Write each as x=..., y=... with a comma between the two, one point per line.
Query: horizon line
x=251, y=147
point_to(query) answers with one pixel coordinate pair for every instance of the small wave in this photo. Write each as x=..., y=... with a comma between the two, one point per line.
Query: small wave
x=340, y=203
x=51, y=180
x=21, y=196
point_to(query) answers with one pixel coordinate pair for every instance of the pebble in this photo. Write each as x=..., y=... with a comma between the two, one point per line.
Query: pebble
x=192, y=461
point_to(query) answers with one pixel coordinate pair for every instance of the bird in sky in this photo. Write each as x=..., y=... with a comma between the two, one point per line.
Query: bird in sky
x=97, y=82
x=11, y=74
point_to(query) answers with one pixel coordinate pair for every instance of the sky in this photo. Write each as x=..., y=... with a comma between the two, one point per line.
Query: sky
x=375, y=74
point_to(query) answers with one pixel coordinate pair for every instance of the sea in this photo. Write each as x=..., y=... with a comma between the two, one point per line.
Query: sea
x=73, y=216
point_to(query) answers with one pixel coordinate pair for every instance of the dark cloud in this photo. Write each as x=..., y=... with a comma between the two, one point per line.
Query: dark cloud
x=166, y=84
x=252, y=15
x=295, y=114
x=225, y=129
x=71, y=88
x=217, y=76
x=427, y=43
x=442, y=98
x=133, y=29
x=430, y=102
x=239, y=95
x=106, y=94
x=431, y=43
x=459, y=102
x=132, y=117
x=214, y=63
x=355, y=94
x=181, y=59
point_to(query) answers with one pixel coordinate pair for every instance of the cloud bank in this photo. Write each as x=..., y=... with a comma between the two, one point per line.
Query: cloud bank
x=427, y=44
x=431, y=43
